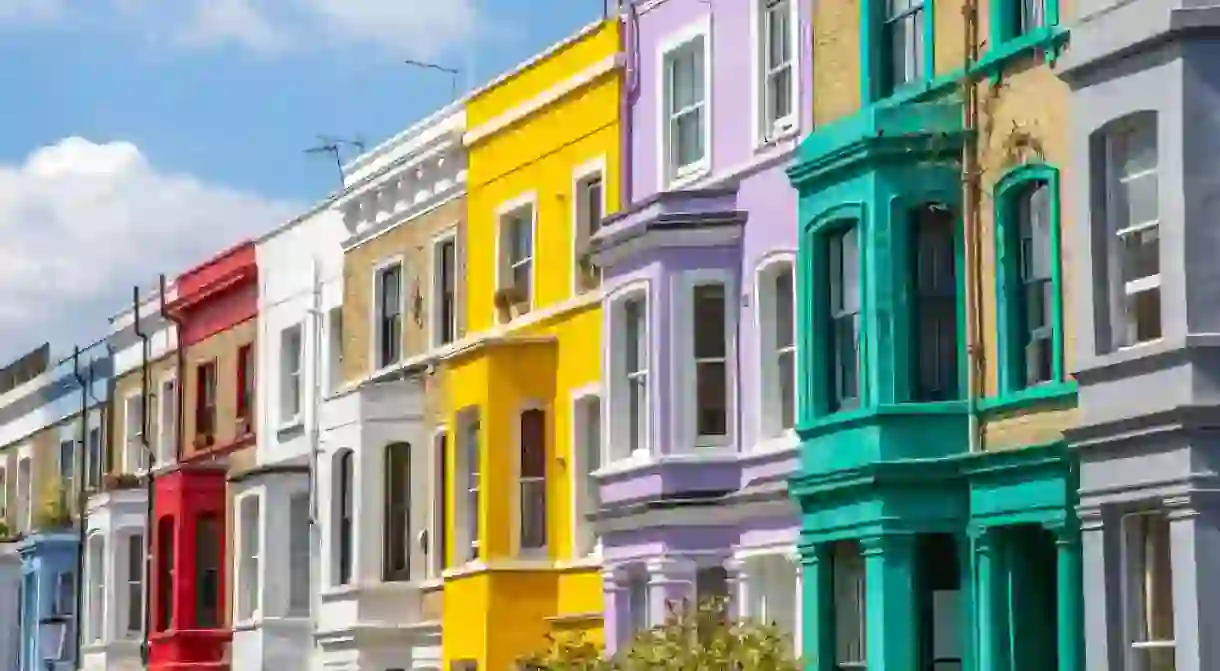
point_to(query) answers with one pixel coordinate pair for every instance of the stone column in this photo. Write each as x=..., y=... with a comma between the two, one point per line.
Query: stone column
x=798, y=624
x=1102, y=615
x=889, y=576
x=988, y=622
x=817, y=608
x=739, y=587
x=670, y=581
x=1069, y=598
x=617, y=616
x=1195, y=547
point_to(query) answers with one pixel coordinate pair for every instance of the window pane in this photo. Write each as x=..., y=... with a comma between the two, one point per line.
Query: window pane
x=633, y=324
x=709, y=321
x=1136, y=200
x=1141, y=254
x=711, y=391
x=787, y=389
x=847, y=571
x=135, y=583
x=1144, y=310
x=935, y=281
x=533, y=444
x=298, y=555
x=688, y=138
x=398, y=510
x=784, y=304
x=207, y=560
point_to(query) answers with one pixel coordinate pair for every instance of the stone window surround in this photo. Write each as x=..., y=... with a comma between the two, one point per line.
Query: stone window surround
x=1101, y=540
x=616, y=397
x=787, y=126
x=671, y=578
x=768, y=435
x=115, y=593
x=675, y=40
x=245, y=613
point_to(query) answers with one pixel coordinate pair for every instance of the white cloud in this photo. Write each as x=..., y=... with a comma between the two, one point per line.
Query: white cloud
x=419, y=29
x=81, y=223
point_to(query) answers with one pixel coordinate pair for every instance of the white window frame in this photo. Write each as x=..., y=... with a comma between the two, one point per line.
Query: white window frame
x=504, y=265
x=68, y=436
x=167, y=437
x=767, y=133
x=334, y=536
x=464, y=544
x=675, y=177
x=124, y=602
x=440, y=487
x=375, y=312
x=435, y=286
x=133, y=457
x=95, y=582
x=4, y=485
x=289, y=378
x=1113, y=182
x=293, y=574
x=249, y=557
x=581, y=176
x=750, y=591
x=521, y=482
x=615, y=443
x=25, y=487
x=334, y=348
x=768, y=413
x=585, y=543
x=1132, y=598
x=685, y=365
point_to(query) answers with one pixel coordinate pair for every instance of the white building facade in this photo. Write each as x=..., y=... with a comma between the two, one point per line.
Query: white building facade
x=116, y=512
x=378, y=578
x=273, y=565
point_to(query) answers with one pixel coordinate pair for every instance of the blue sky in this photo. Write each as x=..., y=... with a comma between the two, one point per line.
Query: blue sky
x=138, y=136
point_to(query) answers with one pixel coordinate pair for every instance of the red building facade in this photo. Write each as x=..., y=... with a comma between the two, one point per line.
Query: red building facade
x=214, y=308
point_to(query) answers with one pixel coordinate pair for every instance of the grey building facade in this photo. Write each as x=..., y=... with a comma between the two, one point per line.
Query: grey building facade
x=1144, y=274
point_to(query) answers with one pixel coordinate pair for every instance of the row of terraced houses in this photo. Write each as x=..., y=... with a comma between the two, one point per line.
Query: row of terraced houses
x=860, y=314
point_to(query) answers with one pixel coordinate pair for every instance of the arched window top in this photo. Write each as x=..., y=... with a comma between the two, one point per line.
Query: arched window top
x=1137, y=120
x=1023, y=175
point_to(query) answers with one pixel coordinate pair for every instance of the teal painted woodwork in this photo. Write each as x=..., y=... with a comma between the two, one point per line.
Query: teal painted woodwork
x=1004, y=21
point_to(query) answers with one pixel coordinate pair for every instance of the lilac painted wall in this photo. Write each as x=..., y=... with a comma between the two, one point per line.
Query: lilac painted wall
x=770, y=204
x=764, y=193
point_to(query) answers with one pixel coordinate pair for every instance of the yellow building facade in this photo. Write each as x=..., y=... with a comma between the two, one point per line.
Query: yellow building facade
x=543, y=145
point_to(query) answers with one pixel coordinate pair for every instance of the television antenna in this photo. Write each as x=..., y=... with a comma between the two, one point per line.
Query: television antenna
x=334, y=147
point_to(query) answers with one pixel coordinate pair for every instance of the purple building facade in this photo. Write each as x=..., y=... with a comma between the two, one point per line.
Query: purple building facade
x=698, y=273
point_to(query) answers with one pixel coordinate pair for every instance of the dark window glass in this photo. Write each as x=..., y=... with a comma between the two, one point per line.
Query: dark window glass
x=165, y=572
x=843, y=285
x=346, y=521
x=935, y=306
x=398, y=511
x=209, y=540
x=1033, y=305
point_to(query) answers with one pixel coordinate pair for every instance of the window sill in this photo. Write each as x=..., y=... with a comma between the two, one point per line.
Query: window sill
x=289, y=428
x=767, y=144
x=785, y=441
x=687, y=178
x=850, y=419
x=1049, y=393
x=1049, y=40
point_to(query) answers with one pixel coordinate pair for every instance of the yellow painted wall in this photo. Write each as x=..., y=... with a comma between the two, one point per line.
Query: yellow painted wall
x=500, y=612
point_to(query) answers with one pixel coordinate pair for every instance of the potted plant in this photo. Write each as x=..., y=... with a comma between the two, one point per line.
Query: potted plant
x=509, y=297
x=113, y=481
x=55, y=512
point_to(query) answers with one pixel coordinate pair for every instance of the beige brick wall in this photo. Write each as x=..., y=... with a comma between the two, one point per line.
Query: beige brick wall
x=128, y=384
x=836, y=58
x=1029, y=102
x=413, y=242
x=223, y=348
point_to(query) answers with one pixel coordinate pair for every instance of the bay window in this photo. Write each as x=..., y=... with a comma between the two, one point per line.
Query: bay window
x=1132, y=220
x=532, y=481
x=843, y=284
x=249, y=555
x=397, y=531
x=776, y=290
x=934, y=280
x=1149, y=607
x=629, y=378
x=343, y=491
x=133, y=584
x=850, y=610
x=709, y=332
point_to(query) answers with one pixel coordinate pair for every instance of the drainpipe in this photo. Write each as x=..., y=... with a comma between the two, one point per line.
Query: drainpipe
x=315, y=448
x=179, y=374
x=149, y=490
x=79, y=466
x=971, y=174
x=629, y=39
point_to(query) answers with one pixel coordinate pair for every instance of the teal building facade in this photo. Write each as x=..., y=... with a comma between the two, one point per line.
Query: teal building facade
x=937, y=493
